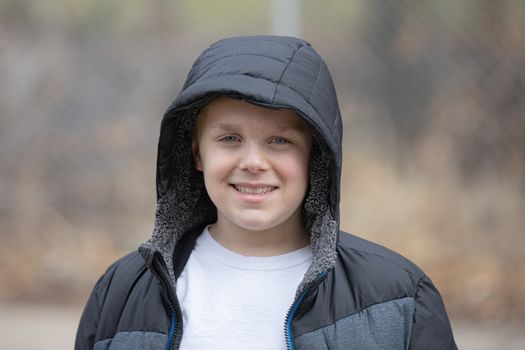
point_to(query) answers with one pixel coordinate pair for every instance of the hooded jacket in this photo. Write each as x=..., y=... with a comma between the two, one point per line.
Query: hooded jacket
x=355, y=294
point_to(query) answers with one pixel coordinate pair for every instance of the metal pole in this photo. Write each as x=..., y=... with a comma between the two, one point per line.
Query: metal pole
x=286, y=17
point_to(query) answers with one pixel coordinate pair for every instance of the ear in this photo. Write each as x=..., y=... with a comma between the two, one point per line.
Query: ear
x=196, y=156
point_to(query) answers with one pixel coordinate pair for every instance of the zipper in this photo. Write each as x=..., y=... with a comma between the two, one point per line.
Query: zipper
x=170, y=302
x=293, y=309
x=288, y=320
x=169, y=343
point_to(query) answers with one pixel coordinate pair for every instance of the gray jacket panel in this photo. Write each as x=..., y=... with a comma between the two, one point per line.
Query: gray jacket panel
x=381, y=326
x=133, y=341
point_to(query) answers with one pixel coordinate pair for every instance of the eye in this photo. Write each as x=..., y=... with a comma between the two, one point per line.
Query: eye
x=229, y=139
x=280, y=140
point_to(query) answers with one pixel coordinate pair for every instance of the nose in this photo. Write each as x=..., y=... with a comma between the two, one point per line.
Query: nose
x=253, y=159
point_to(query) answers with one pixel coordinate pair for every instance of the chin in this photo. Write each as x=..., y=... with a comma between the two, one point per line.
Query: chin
x=256, y=224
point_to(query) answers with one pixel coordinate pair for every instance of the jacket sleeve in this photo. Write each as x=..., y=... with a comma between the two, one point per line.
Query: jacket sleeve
x=103, y=310
x=87, y=327
x=431, y=328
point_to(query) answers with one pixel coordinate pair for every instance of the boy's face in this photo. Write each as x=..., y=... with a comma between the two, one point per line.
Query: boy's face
x=255, y=163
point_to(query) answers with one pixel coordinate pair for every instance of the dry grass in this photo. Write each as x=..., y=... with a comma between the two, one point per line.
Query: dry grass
x=467, y=236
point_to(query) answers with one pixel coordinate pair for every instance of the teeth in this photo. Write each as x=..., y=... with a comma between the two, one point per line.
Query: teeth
x=251, y=190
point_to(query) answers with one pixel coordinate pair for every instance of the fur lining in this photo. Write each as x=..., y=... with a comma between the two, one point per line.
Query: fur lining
x=317, y=217
x=186, y=205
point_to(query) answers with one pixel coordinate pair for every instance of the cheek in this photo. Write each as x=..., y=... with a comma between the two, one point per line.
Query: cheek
x=215, y=165
x=294, y=171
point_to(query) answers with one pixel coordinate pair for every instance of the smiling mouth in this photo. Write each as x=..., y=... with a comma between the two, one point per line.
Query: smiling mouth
x=254, y=190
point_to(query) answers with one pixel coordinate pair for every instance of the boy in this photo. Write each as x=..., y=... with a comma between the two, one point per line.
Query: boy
x=246, y=238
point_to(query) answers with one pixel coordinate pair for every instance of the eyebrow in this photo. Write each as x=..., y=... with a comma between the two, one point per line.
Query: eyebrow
x=223, y=126
x=229, y=127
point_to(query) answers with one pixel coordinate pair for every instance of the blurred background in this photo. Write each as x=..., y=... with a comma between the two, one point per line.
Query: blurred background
x=433, y=99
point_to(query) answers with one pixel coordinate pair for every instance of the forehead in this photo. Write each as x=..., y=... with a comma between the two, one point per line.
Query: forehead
x=225, y=112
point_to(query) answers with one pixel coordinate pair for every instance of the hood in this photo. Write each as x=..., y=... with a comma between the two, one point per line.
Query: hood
x=273, y=72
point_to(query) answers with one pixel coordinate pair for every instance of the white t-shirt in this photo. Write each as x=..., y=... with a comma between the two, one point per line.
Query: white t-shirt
x=231, y=301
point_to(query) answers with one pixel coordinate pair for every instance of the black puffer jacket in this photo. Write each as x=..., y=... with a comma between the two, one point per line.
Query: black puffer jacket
x=355, y=295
